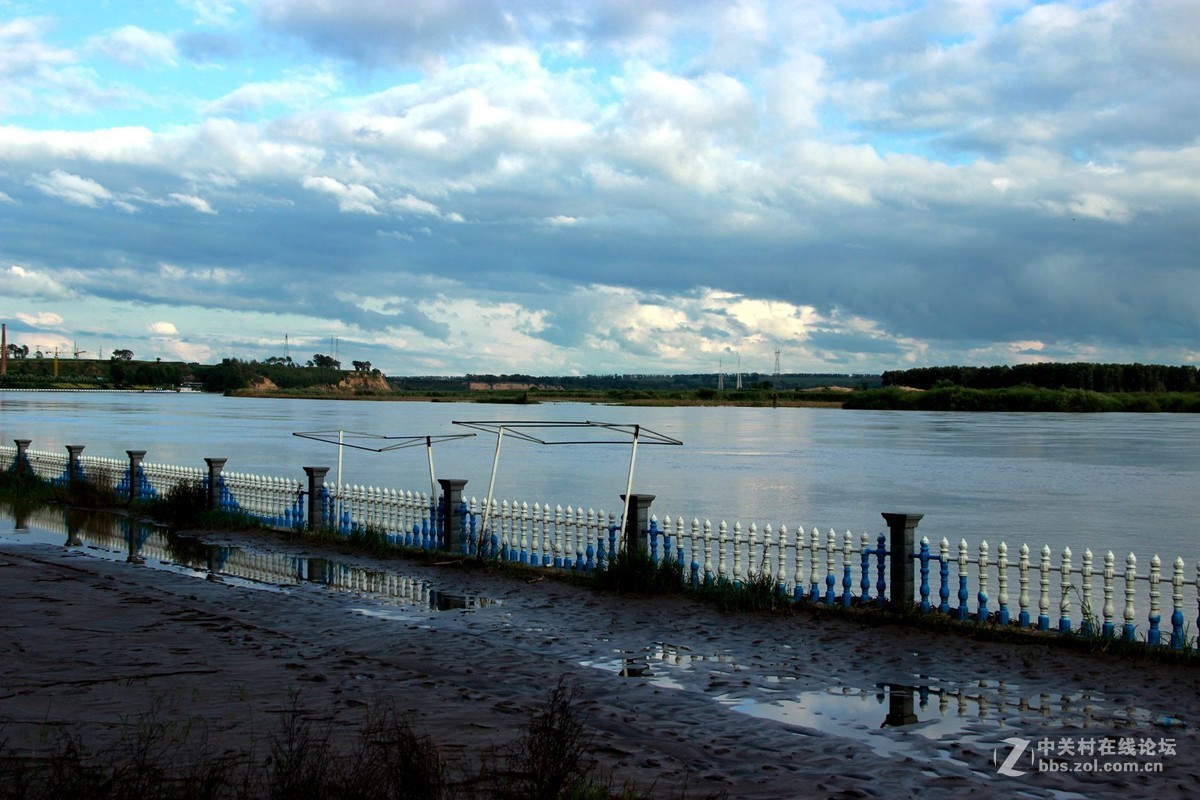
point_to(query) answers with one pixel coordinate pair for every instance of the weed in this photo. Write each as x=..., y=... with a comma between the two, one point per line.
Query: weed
x=633, y=571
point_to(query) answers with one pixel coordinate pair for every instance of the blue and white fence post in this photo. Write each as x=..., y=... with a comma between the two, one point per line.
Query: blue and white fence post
x=215, y=465
x=74, y=468
x=638, y=524
x=902, y=540
x=316, y=486
x=135, y=466
x=454, y=537
x=21, y=464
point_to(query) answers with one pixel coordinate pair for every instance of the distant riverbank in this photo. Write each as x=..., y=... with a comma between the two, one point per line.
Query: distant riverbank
x=1022, y=398
x=755, y=398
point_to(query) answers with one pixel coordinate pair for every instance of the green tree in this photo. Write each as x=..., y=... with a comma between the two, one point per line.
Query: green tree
x=325, y=362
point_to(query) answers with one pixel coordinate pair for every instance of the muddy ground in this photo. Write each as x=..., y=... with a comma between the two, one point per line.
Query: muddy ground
x=679, y=698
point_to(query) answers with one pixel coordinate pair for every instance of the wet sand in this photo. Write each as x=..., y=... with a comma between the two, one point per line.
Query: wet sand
x=676, y=694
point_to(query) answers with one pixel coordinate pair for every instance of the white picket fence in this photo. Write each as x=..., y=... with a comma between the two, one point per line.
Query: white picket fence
x=1089, y=596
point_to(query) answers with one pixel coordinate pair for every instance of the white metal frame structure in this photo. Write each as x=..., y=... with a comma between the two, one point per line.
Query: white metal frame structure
x=523, y=429
x=400, y=442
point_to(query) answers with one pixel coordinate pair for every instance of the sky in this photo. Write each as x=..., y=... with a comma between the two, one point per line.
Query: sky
x=444, y=187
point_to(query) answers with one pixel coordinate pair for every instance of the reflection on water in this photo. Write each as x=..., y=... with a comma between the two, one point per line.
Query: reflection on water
x=893, y=719
x=117, y=537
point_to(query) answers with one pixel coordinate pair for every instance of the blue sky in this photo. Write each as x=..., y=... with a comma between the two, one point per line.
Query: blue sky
x=596, y=187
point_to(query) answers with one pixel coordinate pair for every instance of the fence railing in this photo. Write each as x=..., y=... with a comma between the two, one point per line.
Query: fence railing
x=1105, y=596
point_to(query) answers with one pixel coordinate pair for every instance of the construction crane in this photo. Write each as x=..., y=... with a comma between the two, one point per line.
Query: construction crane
x=77, y=351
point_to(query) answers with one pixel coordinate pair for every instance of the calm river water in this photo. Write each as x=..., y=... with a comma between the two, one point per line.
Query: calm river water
x=1126, y=482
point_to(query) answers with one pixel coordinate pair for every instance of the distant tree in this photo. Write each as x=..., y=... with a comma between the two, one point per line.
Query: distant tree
x=18, y=350
x=325, y=362
x=122, y=355
x=361, y=366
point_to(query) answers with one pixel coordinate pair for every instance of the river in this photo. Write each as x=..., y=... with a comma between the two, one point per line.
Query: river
x=1125, y=482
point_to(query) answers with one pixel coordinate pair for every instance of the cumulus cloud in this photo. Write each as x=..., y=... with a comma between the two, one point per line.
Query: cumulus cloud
x=22, y=282
x=162, y=328
x=597, y=186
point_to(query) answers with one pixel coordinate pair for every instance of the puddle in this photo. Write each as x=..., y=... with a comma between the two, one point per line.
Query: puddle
x=118, y=538
x=658, y=663
x=929, y=719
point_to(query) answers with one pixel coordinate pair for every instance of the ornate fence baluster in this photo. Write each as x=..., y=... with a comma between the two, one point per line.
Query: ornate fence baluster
x=1153, y=636
x=653, y=536
x=593, y=548
x=1002, y=583
x=864, y=579
x=753, y=561
x=695, y=551
x=680, y=555
x=798, y=588
x=1064, y=600
x=1177, y=605
x=575, y=536
x=814, y=578
x=552, y=545
x=944, y=574
x=981, y=610
x=708, y=565
x=737, y=554
x=1110, y=571
x=847, y=560
x=925, y=590
x=1044, y=584
x=1130, y=590
x=766, y=569
x=722, y=532
x=830, y=557
x=525, y=534
x=963, y=594
x=1087, y=623
x=781, y=572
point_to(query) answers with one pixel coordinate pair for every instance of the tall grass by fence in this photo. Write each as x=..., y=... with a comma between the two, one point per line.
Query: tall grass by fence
x=1100, y=596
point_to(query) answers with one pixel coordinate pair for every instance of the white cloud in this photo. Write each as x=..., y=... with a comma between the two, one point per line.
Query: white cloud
x=132, y=46
x=298, y=90
x=162, y=329
x=22, y=51
x=1095, y=206
x=22, y=282
x=211, y=12
x=191, y=201
x=739, y=177
x=350, y=198
x=74, y=189
x=43, y=319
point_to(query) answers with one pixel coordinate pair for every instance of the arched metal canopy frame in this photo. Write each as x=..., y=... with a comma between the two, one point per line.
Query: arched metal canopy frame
x=399, y=443
x=627, y=433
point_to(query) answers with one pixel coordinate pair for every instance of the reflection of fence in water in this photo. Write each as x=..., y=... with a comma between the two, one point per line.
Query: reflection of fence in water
x=1091, y=595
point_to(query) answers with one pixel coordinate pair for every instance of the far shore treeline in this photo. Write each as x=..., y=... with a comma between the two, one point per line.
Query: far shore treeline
x=1072, y=387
